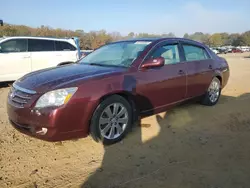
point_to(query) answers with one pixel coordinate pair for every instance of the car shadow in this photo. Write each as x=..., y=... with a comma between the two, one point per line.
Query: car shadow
x=195, y=146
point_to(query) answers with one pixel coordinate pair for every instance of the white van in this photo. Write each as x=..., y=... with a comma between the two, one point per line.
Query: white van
x=21, y=55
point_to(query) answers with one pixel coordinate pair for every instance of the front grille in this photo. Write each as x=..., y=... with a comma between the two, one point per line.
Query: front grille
x=18, y=96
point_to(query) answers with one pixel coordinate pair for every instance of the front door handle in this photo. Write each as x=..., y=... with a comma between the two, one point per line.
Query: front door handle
x=210, y=67
x=181, y=72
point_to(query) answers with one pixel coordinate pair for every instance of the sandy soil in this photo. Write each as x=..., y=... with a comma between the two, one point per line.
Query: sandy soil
x=191, y=146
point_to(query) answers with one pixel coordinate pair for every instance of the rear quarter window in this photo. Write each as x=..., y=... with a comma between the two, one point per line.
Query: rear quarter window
x=64, y=46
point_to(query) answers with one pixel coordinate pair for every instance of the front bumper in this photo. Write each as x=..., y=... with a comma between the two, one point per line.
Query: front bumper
x=61, y=123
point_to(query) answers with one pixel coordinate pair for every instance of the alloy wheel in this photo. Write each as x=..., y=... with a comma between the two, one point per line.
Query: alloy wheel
x=113, y=121
x=214, y=91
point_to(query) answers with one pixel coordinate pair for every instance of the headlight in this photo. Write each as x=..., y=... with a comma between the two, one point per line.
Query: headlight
x=55, y=98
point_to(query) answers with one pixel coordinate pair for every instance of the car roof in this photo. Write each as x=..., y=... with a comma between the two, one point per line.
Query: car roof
x=158, y=39
x=143, y=39
x=33, y=37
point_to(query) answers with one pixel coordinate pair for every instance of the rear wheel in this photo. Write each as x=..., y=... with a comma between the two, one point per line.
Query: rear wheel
x=111, y=120
x=213, y=93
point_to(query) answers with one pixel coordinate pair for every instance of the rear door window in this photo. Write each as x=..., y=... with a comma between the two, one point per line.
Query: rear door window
x=194, y=53
x=14, y=45
x=40, y=45
x=64, y=46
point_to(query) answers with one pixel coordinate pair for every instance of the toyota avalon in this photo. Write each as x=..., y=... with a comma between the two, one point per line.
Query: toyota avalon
x=106, y=91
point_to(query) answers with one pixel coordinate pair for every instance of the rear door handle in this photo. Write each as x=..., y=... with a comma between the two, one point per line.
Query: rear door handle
x=210, y=67
x=181, y=72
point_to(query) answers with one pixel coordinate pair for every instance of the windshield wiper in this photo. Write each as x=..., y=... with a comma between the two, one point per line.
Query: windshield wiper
x=105, y=65
x=98, y=64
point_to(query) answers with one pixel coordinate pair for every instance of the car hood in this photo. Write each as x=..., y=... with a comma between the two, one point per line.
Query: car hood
x=46, y=79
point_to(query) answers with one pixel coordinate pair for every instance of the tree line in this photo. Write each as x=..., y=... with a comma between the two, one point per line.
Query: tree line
x=221, y=39
x=94, y=39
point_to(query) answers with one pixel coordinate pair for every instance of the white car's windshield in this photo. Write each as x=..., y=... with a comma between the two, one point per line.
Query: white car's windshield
x=116, y=54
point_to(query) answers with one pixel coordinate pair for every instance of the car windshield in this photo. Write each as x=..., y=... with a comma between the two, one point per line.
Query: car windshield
x=116, y=54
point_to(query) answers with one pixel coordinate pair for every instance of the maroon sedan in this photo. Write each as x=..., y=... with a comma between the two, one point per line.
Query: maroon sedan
x=105, y=92
x=237, y=50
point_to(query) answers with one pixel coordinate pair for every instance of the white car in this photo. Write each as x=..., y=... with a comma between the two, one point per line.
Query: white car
x=21, y=55
x=244, y=48
x=215, y=51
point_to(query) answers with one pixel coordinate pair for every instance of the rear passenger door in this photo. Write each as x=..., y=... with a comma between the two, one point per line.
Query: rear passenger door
x=65, y=52
x=199, y=69
x=42, y=53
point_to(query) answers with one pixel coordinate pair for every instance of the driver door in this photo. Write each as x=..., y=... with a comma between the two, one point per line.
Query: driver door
x=163, y=86
x=15, y=60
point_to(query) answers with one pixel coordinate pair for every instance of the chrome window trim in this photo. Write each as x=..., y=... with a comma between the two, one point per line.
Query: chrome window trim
x=23, y=89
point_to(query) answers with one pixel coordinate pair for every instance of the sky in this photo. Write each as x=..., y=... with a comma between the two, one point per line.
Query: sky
x=124, y=16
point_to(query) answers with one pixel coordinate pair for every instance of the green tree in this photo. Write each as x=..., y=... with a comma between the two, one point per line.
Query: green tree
x=225, y=38
x=131, y=35
x=8, y=30
x=246, y=38
x=115, y=36
x=186, y=36
x=94, y=39
x=239, y=41
x=168, y=35
x=232, y=38
x=215, y=40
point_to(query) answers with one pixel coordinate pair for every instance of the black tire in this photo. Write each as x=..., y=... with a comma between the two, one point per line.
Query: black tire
x=206, y=99
x=94, y=125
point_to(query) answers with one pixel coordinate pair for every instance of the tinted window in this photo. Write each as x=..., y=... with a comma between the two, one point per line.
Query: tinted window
x=14, y=45
x=194, y=53
x=64, y=46
x=169, y=52
x=36, y=45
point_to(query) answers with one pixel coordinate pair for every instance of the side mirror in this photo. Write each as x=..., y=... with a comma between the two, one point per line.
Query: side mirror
x=154, y=62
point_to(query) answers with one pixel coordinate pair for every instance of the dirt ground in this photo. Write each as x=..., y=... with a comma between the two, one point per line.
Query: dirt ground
x=191, y=146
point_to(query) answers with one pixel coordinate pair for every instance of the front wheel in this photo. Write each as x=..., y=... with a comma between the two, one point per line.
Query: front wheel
x=111, y=120
x=213, y=93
